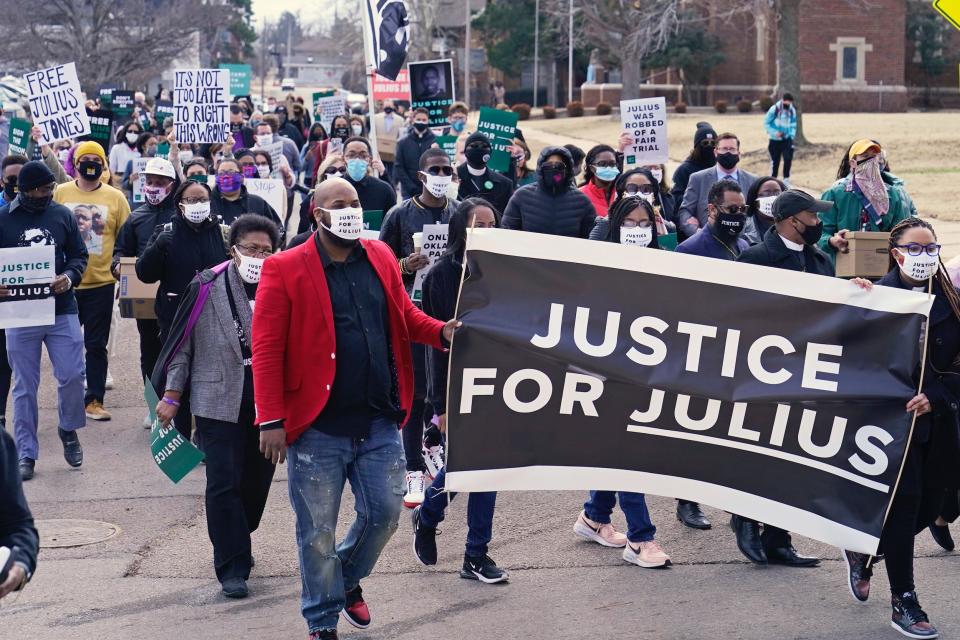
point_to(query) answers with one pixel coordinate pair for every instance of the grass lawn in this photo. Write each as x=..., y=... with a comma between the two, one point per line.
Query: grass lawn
x=923, y=148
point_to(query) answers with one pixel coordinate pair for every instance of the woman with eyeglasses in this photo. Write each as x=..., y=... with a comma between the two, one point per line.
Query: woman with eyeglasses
x=931, y=473
x=760, y=199
x=213, y=362
x=601, y=170
x=640, y=183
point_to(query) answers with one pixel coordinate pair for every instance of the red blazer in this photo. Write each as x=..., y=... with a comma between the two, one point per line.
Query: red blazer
x=294, y=342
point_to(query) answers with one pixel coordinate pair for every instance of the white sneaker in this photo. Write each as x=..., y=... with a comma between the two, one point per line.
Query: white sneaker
x=415, y=489
x=649, y=555
x=433, y=456
x=604, y=534
x=109, y=383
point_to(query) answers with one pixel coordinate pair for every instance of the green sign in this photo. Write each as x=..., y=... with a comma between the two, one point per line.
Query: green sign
x=106, y=95
x=317, y=95
x=500, y=127
x=173, y=453
x=668, y=241
x=163, y=150
x=372, y=219
x=123, y=105
x=19, y=136
x=449, y=144
x=239, y=78
x=101, y=127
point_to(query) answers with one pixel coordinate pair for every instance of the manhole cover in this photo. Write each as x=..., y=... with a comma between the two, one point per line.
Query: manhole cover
x=74, y=533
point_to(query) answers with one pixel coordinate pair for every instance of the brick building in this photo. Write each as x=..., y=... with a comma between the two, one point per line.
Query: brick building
x=852, y=58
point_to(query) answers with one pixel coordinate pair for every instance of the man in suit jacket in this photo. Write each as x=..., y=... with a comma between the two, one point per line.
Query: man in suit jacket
x=692, y=214
x=333, y=379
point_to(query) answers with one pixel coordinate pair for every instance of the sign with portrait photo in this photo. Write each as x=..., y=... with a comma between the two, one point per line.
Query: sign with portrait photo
x=432, y=87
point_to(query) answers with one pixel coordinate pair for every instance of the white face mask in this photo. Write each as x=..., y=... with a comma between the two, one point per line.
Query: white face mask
x=438, y=185
x=357, y=129
x=132, y=138
x=186, y=156
x=264, y=139
x=649, y=197
x=196, y=212
x=345, y=223
x=249, y=268
x=263, y=171
x=765, y=205
x=921, y=267
x=636, y=236
x=657, y=174
x=62, y=155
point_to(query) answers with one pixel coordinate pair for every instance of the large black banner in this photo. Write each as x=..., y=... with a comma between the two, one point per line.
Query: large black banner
x=772, y=394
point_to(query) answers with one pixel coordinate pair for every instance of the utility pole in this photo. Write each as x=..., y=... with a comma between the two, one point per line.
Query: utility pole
x=536, y=52
x=570, y=57
x=263, y=60
x=466, y=57
x=289, y=38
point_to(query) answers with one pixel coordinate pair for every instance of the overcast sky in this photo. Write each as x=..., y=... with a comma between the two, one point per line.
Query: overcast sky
x=310, y=10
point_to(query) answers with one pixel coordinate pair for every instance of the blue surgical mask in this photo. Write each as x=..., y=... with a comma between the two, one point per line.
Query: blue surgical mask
x=607, y=174
x=458, y=125
x=357, y=169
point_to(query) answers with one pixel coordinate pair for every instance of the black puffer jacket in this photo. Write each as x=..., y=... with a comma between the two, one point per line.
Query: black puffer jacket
x=533, y=208
x=139, y=227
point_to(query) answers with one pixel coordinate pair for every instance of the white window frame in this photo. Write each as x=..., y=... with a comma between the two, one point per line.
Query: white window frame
x=862, y=50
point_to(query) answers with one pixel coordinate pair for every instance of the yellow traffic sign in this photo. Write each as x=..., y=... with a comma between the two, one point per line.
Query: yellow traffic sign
x=949, y=9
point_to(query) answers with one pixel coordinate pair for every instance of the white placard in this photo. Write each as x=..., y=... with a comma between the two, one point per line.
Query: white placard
x=28, y=274
x=646, y=120
x=139, y=166
x=275, y=149
x=56, y=103
x=434, y=245
x=201, y=105
x=270, y=190
x=329, y=108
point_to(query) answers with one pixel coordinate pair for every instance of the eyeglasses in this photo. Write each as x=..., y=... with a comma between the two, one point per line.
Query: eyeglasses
x=634, y=189
x=228, y=173
x=446, y=170
x=554, y=166
x=354, y=155
x=329, y=171
x=645, y=224
x=252, y=251
x=733, y=209
x=915, y=248
x=194, y=200
x=605, y=163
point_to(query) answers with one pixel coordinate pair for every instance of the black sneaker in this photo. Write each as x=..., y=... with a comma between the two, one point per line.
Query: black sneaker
x=858, y=574
x=909, y=619
x=26, y=468
x=424, y=541
x=483, y=569
x=235, y=588
x=72, y=451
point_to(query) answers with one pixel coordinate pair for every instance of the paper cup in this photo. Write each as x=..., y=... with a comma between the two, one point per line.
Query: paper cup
x=418, y=241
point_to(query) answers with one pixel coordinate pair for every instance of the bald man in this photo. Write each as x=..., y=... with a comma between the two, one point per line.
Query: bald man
x=333, y=380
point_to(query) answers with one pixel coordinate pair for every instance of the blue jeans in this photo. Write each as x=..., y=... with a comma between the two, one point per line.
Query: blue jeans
x=639, y=528
x=479, y=514
x=64, y=343
x=318, y=467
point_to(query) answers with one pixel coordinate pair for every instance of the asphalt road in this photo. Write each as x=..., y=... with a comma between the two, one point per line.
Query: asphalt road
x=155, y=578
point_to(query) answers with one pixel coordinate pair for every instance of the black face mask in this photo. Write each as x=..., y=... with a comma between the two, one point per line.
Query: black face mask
x=729, y=224
x=728, y=160
x=554, y=180
x=420, y=126
x=35, y=204
x=811, y=232
x=477, y=157
x=235, y=127
x=315, y=137
x=90, y=170
x=341, y=132
x=388, y=110
x=10, y=188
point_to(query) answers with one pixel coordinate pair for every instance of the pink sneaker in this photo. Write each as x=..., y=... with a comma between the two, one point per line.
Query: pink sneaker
x=603, y=534
x=646, y=554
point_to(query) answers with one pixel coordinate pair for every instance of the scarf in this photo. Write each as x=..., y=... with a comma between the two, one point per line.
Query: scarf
x=867, y=181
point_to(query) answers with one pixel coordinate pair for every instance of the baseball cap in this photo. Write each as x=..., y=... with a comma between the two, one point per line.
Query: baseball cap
x=862, y=146
x=160, y=167
x=793, y=201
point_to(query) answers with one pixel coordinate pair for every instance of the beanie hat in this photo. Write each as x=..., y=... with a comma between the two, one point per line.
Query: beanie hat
x=89, y=147
x=34, y=174
x=477, y=137
x=704, y=133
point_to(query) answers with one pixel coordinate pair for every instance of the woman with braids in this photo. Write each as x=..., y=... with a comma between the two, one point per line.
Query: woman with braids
x=600, y=173
x=931, y=474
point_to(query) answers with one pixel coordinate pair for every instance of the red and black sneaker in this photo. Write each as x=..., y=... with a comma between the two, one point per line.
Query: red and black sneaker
x=355, y=610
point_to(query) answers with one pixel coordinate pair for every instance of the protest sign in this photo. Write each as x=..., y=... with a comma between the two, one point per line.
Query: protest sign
x=201, y=105
x=101, y=127
x=275, y=149
x=56, y=103
x=775, y=396
x=500, y=127
x=163, y=110
x=449, y=144
x=372, y=219
x=123, y=105
x=239, y=78
x=28, y=274
x=270, y=190
x=139, y=166
x=646, y=120
x=175, y=455
x=163, y=150
x=327, y=108
x=434, y=244
x=106, y=94
x=19, y=136
x=387, y=89
x=431, y=87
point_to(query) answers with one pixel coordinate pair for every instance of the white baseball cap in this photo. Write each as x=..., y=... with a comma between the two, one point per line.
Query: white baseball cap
x=160, y=167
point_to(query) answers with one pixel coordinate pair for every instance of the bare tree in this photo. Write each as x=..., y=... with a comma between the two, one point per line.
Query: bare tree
x=108, y=39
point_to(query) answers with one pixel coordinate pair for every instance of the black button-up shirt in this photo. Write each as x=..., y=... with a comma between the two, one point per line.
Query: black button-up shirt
x=365, y=384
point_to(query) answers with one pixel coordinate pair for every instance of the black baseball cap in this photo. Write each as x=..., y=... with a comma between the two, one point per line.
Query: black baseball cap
x=793, y=201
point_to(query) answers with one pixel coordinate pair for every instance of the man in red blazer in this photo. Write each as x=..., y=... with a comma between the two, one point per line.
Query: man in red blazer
x=333, y=380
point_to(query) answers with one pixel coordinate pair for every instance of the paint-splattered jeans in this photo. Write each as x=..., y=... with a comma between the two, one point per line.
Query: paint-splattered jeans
x=318, y=466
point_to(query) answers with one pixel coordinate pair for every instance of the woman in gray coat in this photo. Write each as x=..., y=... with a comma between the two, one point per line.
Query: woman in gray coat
x=212, y=361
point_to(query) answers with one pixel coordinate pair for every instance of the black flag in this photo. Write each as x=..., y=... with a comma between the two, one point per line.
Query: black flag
x=388, y=24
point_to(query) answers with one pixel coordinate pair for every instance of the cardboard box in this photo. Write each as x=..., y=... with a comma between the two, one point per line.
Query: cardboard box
x=868, y=256
x=387, y=147
x=136, y=298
